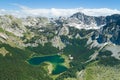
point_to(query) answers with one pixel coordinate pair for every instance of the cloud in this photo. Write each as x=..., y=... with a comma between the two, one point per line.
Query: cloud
x=100, y=11
x=54, y=12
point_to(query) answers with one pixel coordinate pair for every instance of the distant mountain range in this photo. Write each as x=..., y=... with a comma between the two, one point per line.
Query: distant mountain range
x=89, y=40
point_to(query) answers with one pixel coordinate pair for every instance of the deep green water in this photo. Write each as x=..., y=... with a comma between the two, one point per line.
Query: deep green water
x=59, y=69
x=56, y=60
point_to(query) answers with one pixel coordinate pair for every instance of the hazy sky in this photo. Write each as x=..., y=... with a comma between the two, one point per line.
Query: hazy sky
x=113, y=4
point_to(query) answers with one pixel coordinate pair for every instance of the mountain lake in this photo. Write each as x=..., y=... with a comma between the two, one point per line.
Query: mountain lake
x=56, y=60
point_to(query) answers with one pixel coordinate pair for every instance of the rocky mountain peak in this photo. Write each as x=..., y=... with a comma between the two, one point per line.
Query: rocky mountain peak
x=84, y=18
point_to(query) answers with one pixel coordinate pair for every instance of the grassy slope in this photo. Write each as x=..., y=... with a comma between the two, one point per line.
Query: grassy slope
x=14, y=67
x=101, y=72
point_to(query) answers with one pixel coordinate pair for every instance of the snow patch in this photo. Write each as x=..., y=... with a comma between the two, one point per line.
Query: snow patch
x=84, y=26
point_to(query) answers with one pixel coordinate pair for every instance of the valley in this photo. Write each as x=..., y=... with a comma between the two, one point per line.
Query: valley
x=79, y=47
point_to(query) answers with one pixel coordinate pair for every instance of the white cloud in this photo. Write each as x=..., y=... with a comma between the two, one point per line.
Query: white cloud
x=53, y=12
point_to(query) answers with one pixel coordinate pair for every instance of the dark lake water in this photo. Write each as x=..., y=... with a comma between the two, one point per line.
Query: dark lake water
x=59, y=69
x=56, y=60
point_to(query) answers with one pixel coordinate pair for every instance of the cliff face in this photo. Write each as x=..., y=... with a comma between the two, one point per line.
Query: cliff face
x=109, y=33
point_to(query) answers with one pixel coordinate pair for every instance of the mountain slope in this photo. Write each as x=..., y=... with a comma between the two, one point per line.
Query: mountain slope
x=83, y=41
